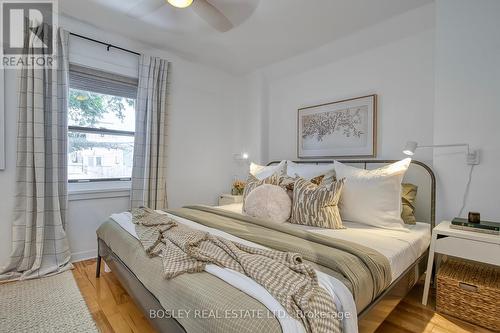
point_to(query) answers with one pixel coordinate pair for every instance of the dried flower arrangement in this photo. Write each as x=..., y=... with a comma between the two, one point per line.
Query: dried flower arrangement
x=238, y=187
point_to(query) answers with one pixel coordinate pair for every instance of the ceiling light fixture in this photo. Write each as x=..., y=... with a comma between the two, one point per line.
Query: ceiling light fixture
x=180, y=3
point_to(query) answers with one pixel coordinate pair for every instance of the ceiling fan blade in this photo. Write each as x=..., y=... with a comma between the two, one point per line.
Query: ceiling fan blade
x=145, y=7
x=211, y=15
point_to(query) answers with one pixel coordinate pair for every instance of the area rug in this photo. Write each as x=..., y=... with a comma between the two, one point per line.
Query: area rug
x=51, y=304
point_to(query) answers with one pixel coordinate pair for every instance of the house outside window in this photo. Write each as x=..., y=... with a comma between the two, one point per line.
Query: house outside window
x=101, y=125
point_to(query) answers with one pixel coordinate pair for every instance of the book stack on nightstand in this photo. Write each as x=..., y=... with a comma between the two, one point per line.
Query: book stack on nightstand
x=485, y=227
x=228, y=199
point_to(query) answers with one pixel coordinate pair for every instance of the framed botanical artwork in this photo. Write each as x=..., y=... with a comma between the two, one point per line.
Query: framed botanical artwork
x=346, y=128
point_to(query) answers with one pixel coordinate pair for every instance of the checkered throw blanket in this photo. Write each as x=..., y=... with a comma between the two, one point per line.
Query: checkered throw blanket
x=291, y=282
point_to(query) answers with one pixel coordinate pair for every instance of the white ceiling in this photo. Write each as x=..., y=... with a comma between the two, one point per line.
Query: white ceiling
x=266, y=30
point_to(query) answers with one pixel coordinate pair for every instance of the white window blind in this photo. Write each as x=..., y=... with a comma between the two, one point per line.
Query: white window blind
x=89, y=79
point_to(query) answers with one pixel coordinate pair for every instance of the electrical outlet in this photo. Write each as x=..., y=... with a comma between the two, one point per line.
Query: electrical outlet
x=473, y=157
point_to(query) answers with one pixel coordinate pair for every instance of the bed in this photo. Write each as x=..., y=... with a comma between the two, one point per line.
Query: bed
x=190, y=293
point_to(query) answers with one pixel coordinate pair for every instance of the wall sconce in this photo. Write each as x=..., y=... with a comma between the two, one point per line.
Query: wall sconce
x=241, y=157
x=472, y=155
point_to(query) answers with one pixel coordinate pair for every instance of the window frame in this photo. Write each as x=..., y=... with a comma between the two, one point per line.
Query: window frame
x=82, y=78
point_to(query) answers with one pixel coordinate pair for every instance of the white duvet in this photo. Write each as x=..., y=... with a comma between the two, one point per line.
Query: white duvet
x=340, y=294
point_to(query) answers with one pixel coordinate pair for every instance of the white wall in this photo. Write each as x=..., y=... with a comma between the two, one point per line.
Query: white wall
x=251, y=136
x=394, y=59
x=468, y=103
x=7, y=176
x=436, y=70
x=203, y=106
x=2, y=122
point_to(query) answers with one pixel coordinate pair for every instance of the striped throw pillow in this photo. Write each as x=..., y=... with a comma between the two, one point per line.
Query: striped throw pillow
x=253, y=182
x=317, y=205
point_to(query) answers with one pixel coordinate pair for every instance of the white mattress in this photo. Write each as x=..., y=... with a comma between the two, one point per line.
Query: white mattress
x=401, y=248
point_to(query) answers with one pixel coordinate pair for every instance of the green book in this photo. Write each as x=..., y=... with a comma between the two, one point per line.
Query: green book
x=486, y=225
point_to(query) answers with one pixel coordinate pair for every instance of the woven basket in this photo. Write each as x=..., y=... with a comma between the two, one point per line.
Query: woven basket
x=470, y=291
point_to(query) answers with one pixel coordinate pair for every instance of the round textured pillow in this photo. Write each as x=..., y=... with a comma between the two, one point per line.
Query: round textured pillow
x=269, y=203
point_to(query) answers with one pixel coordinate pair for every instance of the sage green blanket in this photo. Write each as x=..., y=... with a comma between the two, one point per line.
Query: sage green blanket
x=284, y=275
x=363, y=270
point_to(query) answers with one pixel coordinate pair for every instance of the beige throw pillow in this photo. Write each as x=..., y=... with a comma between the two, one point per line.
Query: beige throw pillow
x=317, y=205
x=253, y=182
x=269, y=203
x=408, y=197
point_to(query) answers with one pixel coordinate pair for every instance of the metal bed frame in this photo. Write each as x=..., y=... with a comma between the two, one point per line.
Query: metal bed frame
x=369, y=318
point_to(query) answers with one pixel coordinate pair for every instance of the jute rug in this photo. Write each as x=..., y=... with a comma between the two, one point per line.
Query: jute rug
x=51, y=304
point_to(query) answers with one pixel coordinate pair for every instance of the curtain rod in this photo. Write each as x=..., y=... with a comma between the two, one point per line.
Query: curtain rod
x=108, y=45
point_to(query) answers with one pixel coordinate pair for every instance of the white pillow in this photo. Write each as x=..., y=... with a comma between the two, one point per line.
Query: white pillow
x=373, y=197
x=269, y=203
x=310, y=171
x=262, y=172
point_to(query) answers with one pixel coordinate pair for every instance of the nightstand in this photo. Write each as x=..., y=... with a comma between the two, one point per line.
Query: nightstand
x=227, y=199
x=464, y=244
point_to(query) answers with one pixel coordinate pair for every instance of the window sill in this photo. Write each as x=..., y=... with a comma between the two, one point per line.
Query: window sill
x=98, y=190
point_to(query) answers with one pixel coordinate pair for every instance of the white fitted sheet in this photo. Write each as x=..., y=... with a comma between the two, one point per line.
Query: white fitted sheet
x=401, y=248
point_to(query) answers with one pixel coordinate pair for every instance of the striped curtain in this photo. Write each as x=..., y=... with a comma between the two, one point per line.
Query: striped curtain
x=149, y=186
x=39, y=244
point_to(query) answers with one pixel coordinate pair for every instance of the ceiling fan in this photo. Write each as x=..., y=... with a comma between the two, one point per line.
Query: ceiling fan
x=203, y=8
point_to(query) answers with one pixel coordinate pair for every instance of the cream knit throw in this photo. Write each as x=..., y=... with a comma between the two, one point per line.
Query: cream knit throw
x=291, y=282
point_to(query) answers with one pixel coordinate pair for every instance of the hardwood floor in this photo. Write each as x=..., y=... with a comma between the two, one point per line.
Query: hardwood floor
x=411, y=316
x=114, y=310
x=111, y=307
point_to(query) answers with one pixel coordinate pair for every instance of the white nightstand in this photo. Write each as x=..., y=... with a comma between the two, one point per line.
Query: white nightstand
x=469, y=245
x=227, y=199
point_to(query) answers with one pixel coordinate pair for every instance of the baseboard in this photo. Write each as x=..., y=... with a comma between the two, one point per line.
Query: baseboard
x=83, y=255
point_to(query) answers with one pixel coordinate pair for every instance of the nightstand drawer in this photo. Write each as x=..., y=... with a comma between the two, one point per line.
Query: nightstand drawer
x=469, y=249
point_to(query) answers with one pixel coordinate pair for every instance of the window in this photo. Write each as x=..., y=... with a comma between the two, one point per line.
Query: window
x=101, y=125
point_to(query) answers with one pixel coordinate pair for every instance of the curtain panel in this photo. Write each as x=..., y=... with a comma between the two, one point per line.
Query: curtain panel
x=149, y=186
x=39, y=243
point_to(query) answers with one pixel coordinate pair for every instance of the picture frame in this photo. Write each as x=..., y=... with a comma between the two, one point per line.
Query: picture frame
x=340, y=129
